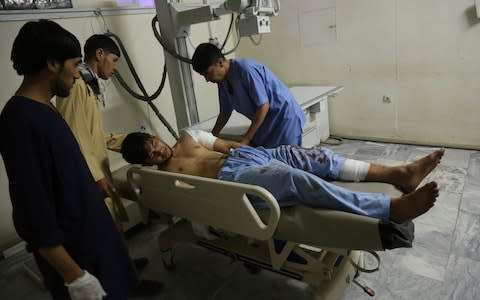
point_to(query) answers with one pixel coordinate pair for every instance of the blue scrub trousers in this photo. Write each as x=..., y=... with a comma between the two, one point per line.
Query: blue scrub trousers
x=295, y=175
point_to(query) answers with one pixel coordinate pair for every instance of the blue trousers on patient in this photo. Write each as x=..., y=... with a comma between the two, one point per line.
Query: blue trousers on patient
x=295, y=175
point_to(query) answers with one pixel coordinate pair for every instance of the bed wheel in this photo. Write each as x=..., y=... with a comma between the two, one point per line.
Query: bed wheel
x=252, y=269
x=168, y=259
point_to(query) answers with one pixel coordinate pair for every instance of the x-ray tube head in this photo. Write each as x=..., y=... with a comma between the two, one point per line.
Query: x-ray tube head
x=263, y=8
x=236, y=5
x=250, y=7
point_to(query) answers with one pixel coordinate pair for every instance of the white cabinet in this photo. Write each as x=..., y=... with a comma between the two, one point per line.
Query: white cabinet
x=314, y=102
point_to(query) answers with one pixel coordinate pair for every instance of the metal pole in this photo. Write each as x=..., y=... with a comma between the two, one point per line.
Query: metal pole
x=179, y=73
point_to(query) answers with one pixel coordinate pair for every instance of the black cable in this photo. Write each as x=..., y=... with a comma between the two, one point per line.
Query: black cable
x=154, y=96
x=129, y=63
x=163, y=120
x=139, y=83
x=333, y=141
x=165, y=45
x=228, y=31
x=237, y=19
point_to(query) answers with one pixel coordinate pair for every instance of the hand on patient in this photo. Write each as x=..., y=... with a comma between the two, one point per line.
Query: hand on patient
x=86, y=287
x=234, y=144
x=224, y=146
x=106, y=187
x=244, y=141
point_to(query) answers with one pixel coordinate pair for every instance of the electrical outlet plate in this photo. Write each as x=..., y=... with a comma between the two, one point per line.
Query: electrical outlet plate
x=477, y=6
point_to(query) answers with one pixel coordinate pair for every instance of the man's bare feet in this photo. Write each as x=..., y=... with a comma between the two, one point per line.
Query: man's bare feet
x=414, y=204
x=412, y=174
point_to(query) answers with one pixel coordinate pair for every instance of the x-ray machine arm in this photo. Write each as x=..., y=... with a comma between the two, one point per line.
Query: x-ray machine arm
x=175, y=18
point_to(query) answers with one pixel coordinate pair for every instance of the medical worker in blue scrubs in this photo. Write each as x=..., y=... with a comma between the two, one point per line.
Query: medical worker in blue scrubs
x=253, y=90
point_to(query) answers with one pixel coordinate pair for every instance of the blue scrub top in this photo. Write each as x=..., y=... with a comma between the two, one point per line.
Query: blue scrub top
x=252, y=85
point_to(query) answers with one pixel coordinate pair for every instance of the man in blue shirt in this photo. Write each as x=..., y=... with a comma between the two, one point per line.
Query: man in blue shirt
x=253, y=90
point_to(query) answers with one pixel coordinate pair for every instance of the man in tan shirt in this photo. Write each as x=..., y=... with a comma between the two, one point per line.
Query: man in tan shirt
x=81, y=110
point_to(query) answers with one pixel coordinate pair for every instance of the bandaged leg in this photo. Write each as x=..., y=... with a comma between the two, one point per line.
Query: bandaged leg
x=354, y=170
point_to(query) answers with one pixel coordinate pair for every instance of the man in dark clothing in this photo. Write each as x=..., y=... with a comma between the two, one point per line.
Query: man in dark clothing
x=57, y=208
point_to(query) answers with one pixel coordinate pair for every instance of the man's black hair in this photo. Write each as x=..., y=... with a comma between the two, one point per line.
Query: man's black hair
x=37, y=42
x=100, y=41
x=134, y=148
x=205, y=55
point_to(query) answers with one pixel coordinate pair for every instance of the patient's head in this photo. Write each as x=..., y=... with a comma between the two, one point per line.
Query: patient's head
x=145, y=149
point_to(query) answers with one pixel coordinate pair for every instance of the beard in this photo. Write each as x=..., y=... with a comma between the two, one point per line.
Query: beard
x=170, y=154
x=60, y=88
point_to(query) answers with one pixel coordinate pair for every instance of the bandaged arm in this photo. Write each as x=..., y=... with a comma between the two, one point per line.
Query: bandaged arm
x=211, y=142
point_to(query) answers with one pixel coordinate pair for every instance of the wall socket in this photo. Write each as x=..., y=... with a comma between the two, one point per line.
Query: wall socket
x=387, y=99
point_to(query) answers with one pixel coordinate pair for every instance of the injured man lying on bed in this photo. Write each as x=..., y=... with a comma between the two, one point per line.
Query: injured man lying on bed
x=293, y=175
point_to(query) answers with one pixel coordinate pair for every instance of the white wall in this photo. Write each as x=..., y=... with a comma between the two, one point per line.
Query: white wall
x=123, y=113
x=424, y=55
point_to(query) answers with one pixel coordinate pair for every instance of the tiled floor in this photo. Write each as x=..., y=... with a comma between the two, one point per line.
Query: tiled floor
x=444, y=262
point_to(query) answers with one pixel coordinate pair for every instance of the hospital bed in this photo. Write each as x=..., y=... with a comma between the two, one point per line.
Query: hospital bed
x=323, y=248
x=320, y=247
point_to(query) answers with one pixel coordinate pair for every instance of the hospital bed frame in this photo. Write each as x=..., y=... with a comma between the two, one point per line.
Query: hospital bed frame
x=320, y=246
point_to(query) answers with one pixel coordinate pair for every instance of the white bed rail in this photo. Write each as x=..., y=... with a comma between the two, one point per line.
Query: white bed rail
x=208, y=201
